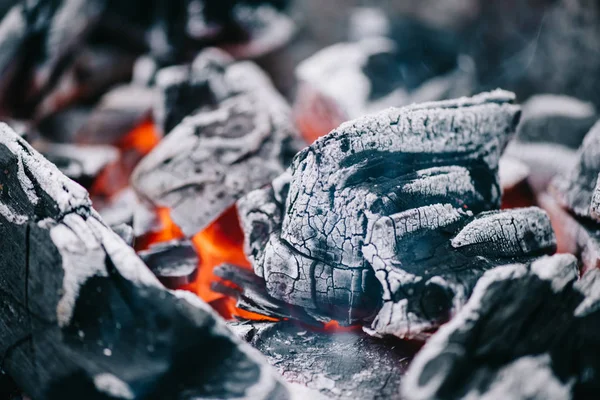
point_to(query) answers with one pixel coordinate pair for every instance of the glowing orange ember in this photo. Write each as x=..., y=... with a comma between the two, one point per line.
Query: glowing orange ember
x=334, y=326
x=133, y=147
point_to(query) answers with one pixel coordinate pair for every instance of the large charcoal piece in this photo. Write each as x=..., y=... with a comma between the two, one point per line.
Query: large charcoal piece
x=239, y=137
x=578, y=189
x=341, y=365
x=82, y=316
x=528, y=332
x=380, y=216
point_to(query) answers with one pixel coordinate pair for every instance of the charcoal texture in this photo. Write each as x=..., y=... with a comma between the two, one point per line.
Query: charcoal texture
x=219, y=153
x=341, y=365
x=380, y=216
x=83, y=317
x=577, y=189
x=528, y=332
x=175, y=263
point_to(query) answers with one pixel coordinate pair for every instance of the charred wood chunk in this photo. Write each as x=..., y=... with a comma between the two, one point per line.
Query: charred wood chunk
x=527, y=332
x=428, y=260
x=341, y=365
x=431, y=166
x=222, y=152
x=119, y=111
x=576, y=189
x=175, y=263
x=83, y=315
x=556, y=119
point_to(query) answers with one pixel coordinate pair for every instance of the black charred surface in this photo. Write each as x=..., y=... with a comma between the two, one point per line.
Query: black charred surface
x=526, y=332
x=577, y=190
x=239, y=136
x=175, y=263
x=341, y=365
x=384, y=216
x=83, y=317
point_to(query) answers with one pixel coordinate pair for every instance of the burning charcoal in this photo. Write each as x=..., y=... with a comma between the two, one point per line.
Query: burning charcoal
x=119, y=111
x=83, y=315
x=251, y=295
x=513, y=175
x=341, y=365
x=579, y=236
x=556, y=119
x=78, y=162
x=218, y=154
x=576, y=190
x=323, y=236
x=348, y=80
x=175, y=263
x=528, y=332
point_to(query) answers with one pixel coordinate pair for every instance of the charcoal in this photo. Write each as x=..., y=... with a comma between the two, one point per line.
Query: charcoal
x=576, y=189
x=514, y=175
x=575, y=235
x=185, y=89
x=528, y=332
x=250, y=292
x=125, y=232
x=341, y=365
x=119, y=209
x=83, y=317
x=119, y=111
x=62, y=126
x=216, y=155
x=175, y=263
x=323, y=235
x=556, y=119
x=78, y=162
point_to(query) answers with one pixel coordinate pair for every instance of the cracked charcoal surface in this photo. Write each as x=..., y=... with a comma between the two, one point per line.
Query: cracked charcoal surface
x=81, y=310
x=322, y=235
x=541, y=345
x=221, y=152
x=342, y=365
x=576, y=189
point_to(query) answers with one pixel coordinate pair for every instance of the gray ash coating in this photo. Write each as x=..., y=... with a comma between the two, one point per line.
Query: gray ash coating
x=378, y=216
x=527, y=332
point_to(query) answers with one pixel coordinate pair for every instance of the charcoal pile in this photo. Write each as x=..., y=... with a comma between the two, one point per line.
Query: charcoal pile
x=267, y=199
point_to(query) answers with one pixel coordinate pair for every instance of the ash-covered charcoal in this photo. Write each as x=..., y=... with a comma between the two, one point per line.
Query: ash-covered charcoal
x=117, y=113
x=219, y=153
x=79, y=162
x=318, y=236
x=186, y=89
x=125, y=232
x=428, y=266
x=82, y=313
x=348, y=80
x=175, y=263
x=556, y=119
x=341, y=365
x=575, y=235
x=513, y=175
x=528, y=332
x=62, y=126
x=577, y=188
x=119, y=209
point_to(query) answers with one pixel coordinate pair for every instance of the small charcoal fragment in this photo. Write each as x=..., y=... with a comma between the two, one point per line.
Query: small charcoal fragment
x=83, y=316
x=556, y=119
x=79, y=162
x=528, y=332
x=175, y=263
x=118, y=112
x=341, y=365
x=576, y=189
x=221, y=152
x=382, y=212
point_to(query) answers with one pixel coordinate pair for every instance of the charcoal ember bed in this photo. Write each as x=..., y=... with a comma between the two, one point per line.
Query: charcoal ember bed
x=273, y=199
